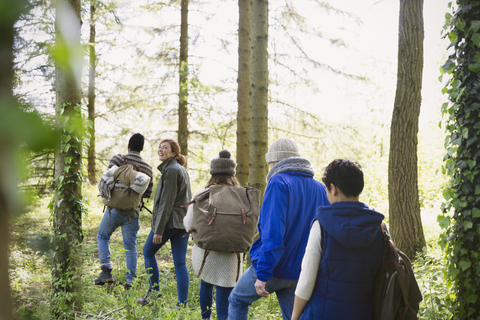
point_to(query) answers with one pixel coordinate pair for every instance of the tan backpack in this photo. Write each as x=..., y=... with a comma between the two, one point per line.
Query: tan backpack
x=121, y=196
x=225, y=219
x=124, y=198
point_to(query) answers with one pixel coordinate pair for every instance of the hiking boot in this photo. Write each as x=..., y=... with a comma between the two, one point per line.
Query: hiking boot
x=179, y=306
x=127, y=286
x=146, y=300
x=104, y=277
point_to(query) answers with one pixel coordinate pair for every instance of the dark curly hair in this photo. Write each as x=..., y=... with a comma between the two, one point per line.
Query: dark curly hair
x=346, y=175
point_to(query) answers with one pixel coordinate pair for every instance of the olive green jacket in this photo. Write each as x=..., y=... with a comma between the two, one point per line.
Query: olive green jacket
x=173, y=190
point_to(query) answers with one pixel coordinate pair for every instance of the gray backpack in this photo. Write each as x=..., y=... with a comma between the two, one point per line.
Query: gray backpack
x=225, y=219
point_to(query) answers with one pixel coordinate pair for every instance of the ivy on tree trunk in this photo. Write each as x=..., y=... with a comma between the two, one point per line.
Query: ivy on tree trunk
x=68, y=204
x=461, y=209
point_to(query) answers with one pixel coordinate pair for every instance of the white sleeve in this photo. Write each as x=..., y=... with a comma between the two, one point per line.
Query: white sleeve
x=188, y=219
x=310, y=263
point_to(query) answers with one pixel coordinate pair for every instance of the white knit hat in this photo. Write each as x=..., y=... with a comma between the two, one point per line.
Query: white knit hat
x=281, y=149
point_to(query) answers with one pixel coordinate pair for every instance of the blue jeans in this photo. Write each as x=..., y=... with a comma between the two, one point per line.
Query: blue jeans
x=206, y=300
x=244, y=293
x=179, y=252
x=111, y=220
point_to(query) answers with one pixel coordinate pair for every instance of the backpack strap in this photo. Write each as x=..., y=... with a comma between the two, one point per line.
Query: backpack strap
x=214, y=215
x=205, y=255
x=187, y=204
x=239, y=260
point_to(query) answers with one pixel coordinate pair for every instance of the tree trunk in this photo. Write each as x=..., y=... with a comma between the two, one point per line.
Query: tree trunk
x=183, y=82
x=6, y=150
x=461, y=208
x=258, y=96
x=404, y=212
x=243, y=98
x=92, y=177
x=67, y=221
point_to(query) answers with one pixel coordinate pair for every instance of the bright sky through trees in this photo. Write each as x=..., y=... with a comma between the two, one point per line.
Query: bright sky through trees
x=371, y=51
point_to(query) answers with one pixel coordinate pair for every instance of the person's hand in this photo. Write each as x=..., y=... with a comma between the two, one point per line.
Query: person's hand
x=260, y=287
x=157, y=239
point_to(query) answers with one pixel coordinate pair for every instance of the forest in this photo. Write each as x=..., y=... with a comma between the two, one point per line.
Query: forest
x=392, y=85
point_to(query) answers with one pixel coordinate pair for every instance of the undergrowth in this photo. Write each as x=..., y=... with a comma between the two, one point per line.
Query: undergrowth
x=30, y=257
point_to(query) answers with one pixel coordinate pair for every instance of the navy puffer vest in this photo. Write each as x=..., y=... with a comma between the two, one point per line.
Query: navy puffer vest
x=352, y=248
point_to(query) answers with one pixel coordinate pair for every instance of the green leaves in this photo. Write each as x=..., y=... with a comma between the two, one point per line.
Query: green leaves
x=461, y=209
x=464, y=265
x=443, y=221
x=32, y=130
x=476, y=39
x=452, y=36
x=476, y=213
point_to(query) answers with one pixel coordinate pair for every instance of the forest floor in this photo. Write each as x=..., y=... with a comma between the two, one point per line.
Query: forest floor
x=30, y=273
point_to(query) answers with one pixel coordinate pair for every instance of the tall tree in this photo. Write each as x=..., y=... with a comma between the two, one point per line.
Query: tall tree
x=91, y=95
x=67, y=221
x=183, y=132
x=10, y=13
x=404, y=205
x=32, y=133
x=461, y=210
x=243, y=99
x=258, y=141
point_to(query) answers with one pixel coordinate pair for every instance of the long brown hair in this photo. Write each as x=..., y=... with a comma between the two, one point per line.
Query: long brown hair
x=222, y=178
x=175, y=149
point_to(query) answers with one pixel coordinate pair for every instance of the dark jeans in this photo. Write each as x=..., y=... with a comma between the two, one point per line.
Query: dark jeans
x=206, y=300
x=179, y=252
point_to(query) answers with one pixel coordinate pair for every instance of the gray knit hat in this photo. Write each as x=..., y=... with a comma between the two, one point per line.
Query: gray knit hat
x=281, y=149
x=223, y=164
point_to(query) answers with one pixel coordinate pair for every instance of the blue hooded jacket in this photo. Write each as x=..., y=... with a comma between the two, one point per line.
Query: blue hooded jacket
x=352, y=250
x=288, y=209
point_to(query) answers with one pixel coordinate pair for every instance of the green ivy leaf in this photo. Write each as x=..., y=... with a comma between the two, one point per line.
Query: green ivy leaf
x=467, y=225
x=444, y=222
x=476, y=39
x=460, y=24
x=471, y=163
x=464, y=132
x=472, y=298
x=474, y=67
x=477, y=189
x=450, y=164
x=475, y=25
x=452, y=36
x=475, y=212
x=447, y=193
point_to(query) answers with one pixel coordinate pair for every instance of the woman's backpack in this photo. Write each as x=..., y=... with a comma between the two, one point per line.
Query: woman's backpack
x=225, y=219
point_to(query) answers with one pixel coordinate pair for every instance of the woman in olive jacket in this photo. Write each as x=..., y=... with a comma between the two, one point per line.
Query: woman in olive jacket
x=173, y=190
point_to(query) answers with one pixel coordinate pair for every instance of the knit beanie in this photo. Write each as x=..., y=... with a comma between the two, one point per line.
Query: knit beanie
x=223, y=164
x=281, y=149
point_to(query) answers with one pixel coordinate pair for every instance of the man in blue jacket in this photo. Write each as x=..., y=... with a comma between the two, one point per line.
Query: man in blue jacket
x=288, y=208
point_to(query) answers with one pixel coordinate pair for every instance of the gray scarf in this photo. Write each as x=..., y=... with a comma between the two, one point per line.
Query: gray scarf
x=291, y=164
